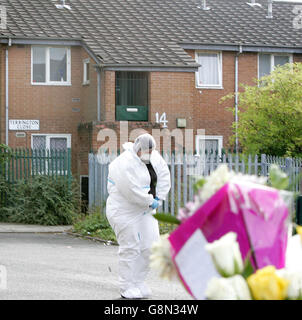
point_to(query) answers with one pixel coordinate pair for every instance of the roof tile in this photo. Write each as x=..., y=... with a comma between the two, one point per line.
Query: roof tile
x=151, y=31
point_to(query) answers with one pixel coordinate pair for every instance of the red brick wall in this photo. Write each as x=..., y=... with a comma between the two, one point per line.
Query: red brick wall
x=84, y=134
x=89, y=92
x=176, y=94
x=108, y=98
x=91, y=140
x=210, y=113
x=52, y=105
x=172, y=92
x=169, y=92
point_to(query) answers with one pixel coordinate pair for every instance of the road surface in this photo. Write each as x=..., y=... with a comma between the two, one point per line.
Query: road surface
x=59, y=266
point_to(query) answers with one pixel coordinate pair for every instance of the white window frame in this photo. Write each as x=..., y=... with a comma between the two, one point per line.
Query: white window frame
x=52, y=135
x=272, y=56
x=220, y=71
x=47, y=75
x=85, y=64
x=48, y=136
x=208, y=137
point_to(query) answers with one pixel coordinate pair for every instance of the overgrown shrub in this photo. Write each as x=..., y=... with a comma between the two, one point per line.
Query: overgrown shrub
x=41, y=200
x=270, y=113
x=5, y=153
x=4, y=191
x=96, y=225
x=91, y=223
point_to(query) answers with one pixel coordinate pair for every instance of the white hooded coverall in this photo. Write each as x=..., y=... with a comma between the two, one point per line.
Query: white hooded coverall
x=129, y=214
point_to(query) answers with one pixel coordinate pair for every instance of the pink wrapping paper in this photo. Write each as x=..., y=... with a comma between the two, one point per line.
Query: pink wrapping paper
x=256, y=213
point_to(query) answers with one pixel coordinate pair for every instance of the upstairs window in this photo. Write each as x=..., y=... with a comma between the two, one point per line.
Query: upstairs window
x=209, y=73
x=267, y=62
x=131, y=96
x=50, y=65
x=86, y=72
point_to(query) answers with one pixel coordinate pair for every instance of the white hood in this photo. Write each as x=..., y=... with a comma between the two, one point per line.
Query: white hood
x=128, y=146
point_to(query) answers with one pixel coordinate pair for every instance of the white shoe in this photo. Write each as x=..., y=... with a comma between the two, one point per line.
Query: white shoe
x=132, y=293
x=146, y=292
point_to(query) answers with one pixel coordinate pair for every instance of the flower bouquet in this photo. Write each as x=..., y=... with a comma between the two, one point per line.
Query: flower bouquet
x=234, y=240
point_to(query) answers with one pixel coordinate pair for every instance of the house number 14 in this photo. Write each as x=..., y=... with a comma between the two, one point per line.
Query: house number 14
x=162, y=119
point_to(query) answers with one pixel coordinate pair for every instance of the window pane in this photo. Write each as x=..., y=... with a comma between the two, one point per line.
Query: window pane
x=38, y=163
x=280, y=60
x=87, y=72
x=209, y=145
x=58, y=143
x=58, y=64
x=131, y=89
x=264, y=64
x=39, y=64
x=39, y=142
x=209, y=69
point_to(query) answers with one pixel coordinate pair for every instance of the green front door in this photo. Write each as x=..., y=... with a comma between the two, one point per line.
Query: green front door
x=131, y=93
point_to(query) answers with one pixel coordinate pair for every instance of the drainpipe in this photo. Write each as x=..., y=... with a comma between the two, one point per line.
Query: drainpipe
x=99, y=71
x=99, y=93
x=6, y=95
x=236, y=94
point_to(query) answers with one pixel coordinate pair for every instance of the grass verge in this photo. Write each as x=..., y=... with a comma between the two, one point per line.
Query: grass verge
x=96, y=225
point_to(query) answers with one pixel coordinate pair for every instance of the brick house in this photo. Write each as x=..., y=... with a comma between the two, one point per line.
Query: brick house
x=81, y=66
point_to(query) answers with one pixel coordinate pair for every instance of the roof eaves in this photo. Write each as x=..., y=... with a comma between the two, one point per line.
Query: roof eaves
x=150, y=67
x=34, y=39
x=257, y=47
x=50, y=41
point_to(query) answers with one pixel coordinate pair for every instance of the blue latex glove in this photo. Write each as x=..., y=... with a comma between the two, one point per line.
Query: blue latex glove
x=154, y=204
x=156, y=198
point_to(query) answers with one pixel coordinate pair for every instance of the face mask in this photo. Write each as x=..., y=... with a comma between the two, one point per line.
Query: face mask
x=145, y=157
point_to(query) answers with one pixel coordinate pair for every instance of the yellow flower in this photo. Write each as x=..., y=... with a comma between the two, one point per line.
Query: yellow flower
x=299, y=231
x=265, y=284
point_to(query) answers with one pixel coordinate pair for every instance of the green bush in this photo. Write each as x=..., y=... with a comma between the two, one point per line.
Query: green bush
x=41, y=200
x=5, y=154
x=96, y=225
x=166, y=227
x=4, y=191
x=91, y=223
x=105, y=234
x=270, y=113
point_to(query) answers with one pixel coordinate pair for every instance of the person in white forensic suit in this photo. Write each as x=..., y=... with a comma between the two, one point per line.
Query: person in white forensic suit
x=138, y=180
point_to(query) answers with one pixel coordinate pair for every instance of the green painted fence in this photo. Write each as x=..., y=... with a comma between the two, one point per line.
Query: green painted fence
x=25, y=163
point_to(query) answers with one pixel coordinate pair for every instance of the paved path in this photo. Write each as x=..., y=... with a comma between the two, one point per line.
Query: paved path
x=25, y=228
x=59, y=266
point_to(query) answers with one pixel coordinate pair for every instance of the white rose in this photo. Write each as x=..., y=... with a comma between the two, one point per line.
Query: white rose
x=215, y=181
x=294, y=253
x=161, y=259
x=233, y=288
x=222, y=175
x=226, y=255
x=294, y=290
